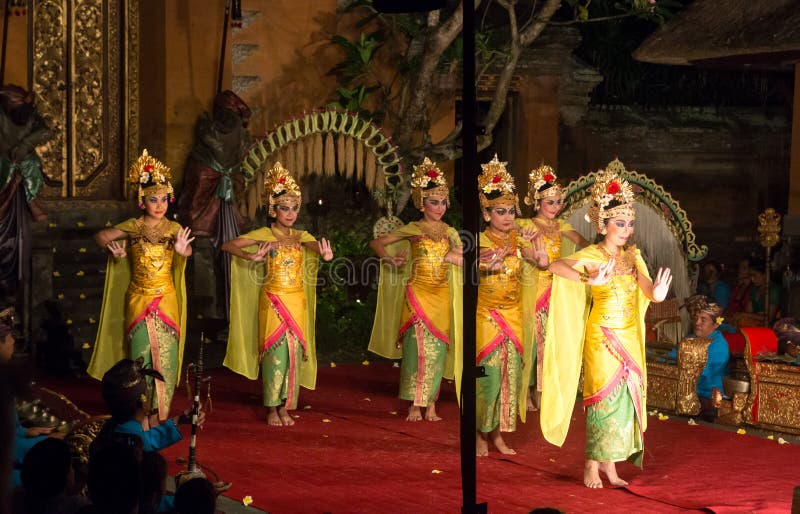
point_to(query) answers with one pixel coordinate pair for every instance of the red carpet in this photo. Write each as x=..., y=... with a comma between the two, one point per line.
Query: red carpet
x=351, y=451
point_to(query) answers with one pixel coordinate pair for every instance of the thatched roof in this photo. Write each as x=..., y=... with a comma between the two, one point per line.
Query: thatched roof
x=728, y=33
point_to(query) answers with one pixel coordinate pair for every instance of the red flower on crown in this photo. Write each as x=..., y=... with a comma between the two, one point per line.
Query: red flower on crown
x=496, y=179
x=432, y=174
x=613, y=188
x=149, y=167
x=549, y=177
x=282, y=180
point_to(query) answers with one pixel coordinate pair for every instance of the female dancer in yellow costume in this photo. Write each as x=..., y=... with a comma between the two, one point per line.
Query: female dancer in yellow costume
x=273, y=301
x=418, y=316
x=503, y=348
x=144, y=299
x=546, y=196
x=607, y=338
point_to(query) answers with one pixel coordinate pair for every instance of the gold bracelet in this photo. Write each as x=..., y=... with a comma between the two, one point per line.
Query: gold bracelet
x=583, y=276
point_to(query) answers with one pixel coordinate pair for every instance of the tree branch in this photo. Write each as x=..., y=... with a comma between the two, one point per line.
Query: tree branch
x=436, y=43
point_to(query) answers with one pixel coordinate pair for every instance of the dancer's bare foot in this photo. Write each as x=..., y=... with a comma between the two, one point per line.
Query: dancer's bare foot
x=591, y=475
x=273, y=419
x=481, y=445
x=414, y=414
x=529, y=406
x=430, y=413
x=286, y=419
x=497, y=441
x=610, y=469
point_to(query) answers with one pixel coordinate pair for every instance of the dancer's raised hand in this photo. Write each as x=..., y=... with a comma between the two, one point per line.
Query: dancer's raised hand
x=603, y=274
x=396, y=260
x=183, y=241
x=117, y=249
x=325, y=250
x=263, y=249
x=494, y=259
x=661, y=284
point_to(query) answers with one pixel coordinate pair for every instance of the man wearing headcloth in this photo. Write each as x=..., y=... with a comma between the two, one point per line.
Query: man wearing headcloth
x=706, y=318
x=21, y=131
x=124, y=389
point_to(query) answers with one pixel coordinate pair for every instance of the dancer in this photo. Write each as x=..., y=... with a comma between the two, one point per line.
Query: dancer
x=144, y=299
x=273, y=301
x=421, y=321
x=501, y=344
x=608, y=339
x=546, y=196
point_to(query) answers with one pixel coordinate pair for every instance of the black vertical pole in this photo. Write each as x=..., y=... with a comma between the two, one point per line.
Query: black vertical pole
x=224, y=45
x=471, y=216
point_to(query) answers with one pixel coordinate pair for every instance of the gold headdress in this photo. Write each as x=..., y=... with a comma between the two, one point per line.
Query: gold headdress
x=151, y=176
x=427, y=180
x=612, y=196
x=496, y=185
x=281, y=188
x=698, y=303
x=537, y=180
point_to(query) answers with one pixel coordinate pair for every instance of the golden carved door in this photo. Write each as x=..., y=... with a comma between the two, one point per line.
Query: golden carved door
x=84, y=71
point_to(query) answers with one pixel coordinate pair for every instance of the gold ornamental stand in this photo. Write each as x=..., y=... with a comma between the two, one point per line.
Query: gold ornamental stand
x=769, y=229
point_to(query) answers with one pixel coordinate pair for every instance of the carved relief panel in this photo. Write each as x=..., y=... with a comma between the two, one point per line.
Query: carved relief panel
x=84, y=71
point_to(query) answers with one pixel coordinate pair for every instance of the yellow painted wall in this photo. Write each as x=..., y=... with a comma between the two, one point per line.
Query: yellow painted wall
x=16, y=71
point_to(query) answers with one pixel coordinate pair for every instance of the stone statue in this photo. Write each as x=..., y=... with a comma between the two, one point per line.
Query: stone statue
x=21, y=131
x=212, y=175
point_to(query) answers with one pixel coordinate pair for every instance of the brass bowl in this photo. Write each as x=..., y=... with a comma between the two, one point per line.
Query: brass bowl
x=733, y=385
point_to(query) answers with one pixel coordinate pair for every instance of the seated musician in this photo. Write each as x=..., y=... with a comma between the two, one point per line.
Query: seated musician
x=123, y=389
x=706, y=319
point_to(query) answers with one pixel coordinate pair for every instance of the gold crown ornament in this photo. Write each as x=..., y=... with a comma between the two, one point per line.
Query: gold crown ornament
x=281, y=188
x=496, y=185
x=611, y=196
x=542, y=183
x=151, y=176
x=427, y=180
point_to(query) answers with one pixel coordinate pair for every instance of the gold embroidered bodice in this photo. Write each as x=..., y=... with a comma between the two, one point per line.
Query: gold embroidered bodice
x=284, y=265
x=502, y=289
x=151, y=252
x=614, y=303
x=428, y=265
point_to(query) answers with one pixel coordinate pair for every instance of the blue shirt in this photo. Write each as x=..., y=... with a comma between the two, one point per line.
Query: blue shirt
x=22, y=445
x=716, y=365
x=155, y=439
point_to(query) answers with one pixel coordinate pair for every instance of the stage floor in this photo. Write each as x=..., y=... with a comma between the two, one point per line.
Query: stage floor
x=351, y=451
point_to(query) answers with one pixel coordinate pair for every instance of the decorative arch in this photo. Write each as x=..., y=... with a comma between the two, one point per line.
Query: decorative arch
x=650, y=193
x=325, y=142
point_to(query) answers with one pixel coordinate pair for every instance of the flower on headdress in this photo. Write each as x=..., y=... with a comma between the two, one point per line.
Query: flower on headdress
x=496, y=179
x=144, y=178
x=282, y=180
x=719, y=320
x=432, y=174
x=549, y=177
x=613, y=188
x=149, y=167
